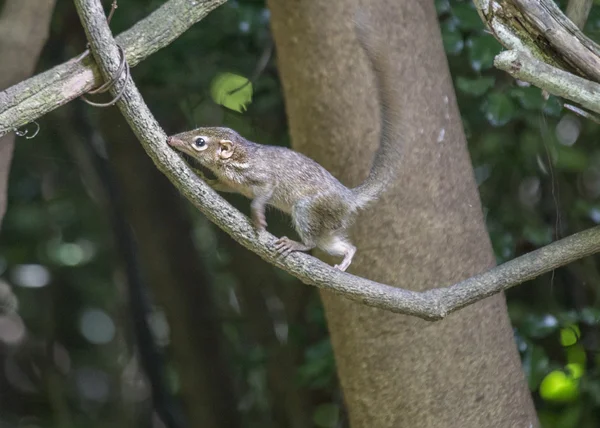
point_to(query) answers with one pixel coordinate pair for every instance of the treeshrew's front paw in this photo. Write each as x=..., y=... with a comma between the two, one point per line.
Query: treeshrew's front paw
x=286, y=246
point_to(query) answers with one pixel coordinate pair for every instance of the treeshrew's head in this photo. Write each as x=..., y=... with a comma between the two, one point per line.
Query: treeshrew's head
x=212, y=147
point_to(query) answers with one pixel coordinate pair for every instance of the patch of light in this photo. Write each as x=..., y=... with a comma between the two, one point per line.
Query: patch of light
x=30, y=275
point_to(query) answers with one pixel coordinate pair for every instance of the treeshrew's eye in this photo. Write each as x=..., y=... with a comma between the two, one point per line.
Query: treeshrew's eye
x=199, y=143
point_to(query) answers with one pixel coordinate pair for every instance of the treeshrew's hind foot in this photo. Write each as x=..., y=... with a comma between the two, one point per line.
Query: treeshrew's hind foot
x=348, y=255
x=343, y=266
x=259, y=221
x=286, y=246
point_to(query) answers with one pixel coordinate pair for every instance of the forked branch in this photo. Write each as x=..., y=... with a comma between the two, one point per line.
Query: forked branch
x=431, y=305
x=35, y=97
x=542, y=36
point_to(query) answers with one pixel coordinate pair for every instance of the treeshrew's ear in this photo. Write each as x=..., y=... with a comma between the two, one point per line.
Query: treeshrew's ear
x=225, y=149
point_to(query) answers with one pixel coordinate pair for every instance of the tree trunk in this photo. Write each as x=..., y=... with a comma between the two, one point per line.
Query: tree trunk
x=24, y=28
x=427, y=231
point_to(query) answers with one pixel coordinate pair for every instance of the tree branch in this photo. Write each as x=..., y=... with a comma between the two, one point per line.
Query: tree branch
x=35, y=97
x=558, y=82
x=540, y=30
x=555, y=29
x=431, y=305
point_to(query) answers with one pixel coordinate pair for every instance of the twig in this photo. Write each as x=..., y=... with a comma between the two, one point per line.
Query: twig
x=113, y=7
x=582, y=113
x=35, y=97
x=431, y=305
x=85, y=53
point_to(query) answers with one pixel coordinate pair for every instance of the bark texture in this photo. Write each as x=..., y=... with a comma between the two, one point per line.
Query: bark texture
x=24, y=28
x=399, y=371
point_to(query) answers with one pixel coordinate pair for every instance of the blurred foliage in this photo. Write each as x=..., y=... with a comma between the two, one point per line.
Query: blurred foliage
x=537, y=167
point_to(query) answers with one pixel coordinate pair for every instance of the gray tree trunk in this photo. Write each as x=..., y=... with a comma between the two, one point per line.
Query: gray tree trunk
x=428, y=231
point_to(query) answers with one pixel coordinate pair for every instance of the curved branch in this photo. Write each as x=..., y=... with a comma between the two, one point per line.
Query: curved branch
x=32, y=98
x=430, y=305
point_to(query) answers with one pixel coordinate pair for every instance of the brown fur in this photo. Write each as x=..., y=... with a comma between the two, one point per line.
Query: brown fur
x=321, y=207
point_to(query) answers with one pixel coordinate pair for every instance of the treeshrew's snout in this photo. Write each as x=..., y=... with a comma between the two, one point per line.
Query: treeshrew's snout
x=174, y=142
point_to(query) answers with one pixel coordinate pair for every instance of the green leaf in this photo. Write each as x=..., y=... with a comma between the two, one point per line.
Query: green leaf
x=482, y=51
x=559, y=386
x=231, y=91
x=569, y=335
x=326, y=415
x=499, y=109
x=475, y=87
x=468, y=18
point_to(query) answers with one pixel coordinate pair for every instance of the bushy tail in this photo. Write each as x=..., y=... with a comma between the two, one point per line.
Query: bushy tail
x=385, y=161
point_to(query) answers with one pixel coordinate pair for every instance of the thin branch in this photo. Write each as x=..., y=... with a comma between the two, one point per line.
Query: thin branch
x=431, y=305
x=558, y=82
x=578, y=11
x=35, y=97
x=583, y=113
